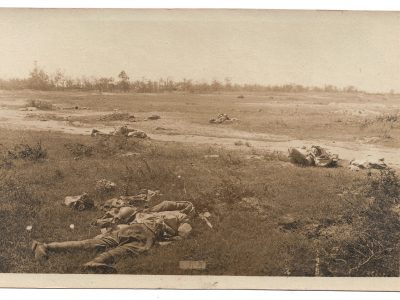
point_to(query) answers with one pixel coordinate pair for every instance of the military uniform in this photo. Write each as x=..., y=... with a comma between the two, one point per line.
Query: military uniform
x=165, y=220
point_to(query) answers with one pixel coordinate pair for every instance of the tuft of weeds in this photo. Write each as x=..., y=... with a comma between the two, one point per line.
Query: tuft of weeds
x=110, y=145
x=118, y=116
x=28, y=152
x=231, y=159
x=231, y=190
x=372, y=249
x=79, y=150
x=382, y=124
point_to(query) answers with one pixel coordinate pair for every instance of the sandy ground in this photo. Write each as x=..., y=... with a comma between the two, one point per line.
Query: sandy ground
x=171, y=128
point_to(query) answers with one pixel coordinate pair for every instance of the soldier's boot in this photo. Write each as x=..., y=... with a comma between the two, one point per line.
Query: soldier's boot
x=39, y=250
x=101, y=264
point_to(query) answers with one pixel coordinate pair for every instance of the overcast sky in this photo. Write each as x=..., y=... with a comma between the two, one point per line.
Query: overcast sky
x=266, y=47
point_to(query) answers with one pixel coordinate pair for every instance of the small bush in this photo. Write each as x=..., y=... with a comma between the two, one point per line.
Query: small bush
x=79, y=150
x=28, y=152
x=118, y=116
x=373, y=248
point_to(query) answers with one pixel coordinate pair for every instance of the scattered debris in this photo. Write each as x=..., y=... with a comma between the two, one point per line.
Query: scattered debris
x=72, y=226
x=142, y=197
x=222, y=118
x=154, y=117
x=288, y=222
x=356, y=112
x=29, y=108
x=130, y=154
x=76, y=107
x=356, y=165
x=29, y=227
x=118, y=116
x=114, y=203
x=165, y=243
x=314, y=156
x=96, y=132
x=192, y=265
x=76, y=123
x=211, y=156
x=104, y=185
x=137, y=134
x=372, y=139
x=121, y=131
x=80, y=202
x=253, y=202
x=162, y=128
x=115, y=216
x=254, y=156
x=317, y=271
x=204, y=216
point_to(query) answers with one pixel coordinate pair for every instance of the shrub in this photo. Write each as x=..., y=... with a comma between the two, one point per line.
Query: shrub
x=79, y=150
x=28, y=152
x=373, y=248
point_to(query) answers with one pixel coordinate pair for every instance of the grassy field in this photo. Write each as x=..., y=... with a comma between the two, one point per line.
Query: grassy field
x=245, y=240
x=326, y=208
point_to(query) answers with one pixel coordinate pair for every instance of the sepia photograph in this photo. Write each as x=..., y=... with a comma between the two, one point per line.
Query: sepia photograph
x=199, y=142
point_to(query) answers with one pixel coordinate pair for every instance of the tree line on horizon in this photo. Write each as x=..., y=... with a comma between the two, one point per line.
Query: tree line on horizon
x=40, y=80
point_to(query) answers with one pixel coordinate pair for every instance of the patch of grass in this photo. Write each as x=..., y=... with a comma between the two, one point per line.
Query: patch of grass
x=79, y=150
x=34, y=152
x=371, y=248
x=118, y=116
x=243, y=241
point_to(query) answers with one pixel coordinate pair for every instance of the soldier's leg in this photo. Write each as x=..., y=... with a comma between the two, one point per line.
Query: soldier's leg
x=104, y=261
x=296, y=157
x=142, y=242
x=41, y=249
x=132, y=240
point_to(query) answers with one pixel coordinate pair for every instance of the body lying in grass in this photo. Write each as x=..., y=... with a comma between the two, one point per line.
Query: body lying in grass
x=167, y=220
x=315, y=156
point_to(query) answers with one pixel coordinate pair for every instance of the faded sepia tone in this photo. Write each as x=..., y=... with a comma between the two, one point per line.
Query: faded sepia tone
x=199, y=142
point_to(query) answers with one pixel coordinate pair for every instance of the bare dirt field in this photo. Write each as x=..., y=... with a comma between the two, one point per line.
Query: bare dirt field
x=269, y=217
x=352, y=125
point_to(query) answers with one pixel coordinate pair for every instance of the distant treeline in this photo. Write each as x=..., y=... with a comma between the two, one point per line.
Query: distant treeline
x=40, y=80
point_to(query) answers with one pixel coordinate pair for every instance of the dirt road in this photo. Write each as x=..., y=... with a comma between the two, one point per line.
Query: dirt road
x=169, y=129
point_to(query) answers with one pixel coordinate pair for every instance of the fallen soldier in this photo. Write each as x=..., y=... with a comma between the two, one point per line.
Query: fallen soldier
x=356, y=165
x=167, y=220
x=315, y=156
x=222, y=118
x=121, y=131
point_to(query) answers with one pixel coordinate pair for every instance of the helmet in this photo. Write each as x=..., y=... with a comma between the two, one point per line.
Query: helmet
x=126, y=214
